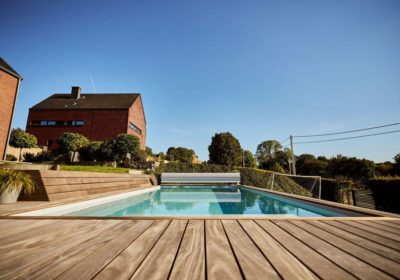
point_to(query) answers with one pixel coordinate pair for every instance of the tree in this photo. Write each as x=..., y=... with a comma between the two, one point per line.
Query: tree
x=180, y=154
x=385, y=169
x=225, y=149
x=160, y=156
x=272, y=164
x=396, y=165
x=149, y=151
x=249, y=159
x=124, y=144
x=106, y=151
x=91, y=152
x=21, y=139
x=267, y=150
x=282, y=158
x=72, y=142
x=350, y=167
x=307, y=164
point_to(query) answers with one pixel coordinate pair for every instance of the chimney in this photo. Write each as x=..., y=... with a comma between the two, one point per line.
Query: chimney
x=76, y=92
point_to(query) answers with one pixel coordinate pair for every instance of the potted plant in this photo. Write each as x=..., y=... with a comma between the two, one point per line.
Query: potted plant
x=11, y=184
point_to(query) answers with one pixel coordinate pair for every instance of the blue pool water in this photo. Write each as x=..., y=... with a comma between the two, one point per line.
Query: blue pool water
x=207, y=201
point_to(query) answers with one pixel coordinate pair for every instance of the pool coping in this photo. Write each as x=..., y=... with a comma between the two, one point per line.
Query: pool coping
x=76, y=206
x=81, y=205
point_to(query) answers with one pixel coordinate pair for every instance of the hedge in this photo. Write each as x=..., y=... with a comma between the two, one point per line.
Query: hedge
x=261, y=179
x=249, y=176
x=386, y=193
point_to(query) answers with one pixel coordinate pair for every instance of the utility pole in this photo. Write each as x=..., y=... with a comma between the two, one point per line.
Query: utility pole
x=293, y=160
x=243, y=158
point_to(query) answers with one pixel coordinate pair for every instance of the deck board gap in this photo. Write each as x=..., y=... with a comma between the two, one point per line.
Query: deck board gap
x=261, y=251
x=233, y=251
x=152, y=247
x=177, y=250
x=205, y=249
x=117, y=255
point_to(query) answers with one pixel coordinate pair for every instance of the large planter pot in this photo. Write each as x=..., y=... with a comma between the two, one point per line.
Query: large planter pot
x=10, y=196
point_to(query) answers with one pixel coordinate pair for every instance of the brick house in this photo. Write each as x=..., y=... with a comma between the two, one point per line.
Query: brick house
x=99, y=117
x=9, y=85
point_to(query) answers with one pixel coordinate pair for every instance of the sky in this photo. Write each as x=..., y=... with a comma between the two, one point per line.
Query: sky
x=258, y=69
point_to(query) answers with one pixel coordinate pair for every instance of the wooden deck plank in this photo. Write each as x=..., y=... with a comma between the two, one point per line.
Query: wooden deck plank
x=220, y=259
x=123, y=266
x=65, y=257
x=12, y=227
x=348, y=262
x=374, y=230
x=366, y=234
x=26, y=254
x=321, y=266
x=158, y=263
x=37, y=240
x=190, y=260
x=380, y=227
x=252, y=262
x=79, y=248
x=389, y=224
x=91, y=265
x=361, y=241
x=381, y=263
x=288, y=266
x=21, y=237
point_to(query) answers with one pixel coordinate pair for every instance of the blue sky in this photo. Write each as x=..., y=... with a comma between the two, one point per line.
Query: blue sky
x=259, y=69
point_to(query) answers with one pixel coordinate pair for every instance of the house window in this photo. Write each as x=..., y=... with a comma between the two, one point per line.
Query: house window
x=135, y=128
x=35, y=123
x=57, y=123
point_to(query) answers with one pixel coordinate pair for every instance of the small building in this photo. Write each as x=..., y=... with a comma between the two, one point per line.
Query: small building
x=9, y=85
x=99, y=117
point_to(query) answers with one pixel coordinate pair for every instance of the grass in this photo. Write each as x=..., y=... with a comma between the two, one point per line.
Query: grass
x=104, y=169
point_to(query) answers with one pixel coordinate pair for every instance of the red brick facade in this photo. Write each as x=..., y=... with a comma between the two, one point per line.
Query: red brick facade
x=8, y=95
x=98, y=124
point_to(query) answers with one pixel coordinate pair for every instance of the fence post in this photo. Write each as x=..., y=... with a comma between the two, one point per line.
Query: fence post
x=272, y=185
x=320, y=185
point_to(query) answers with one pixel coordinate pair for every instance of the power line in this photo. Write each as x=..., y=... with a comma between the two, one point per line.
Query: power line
x=345, y=138
x=284, y=140
x=348, y=131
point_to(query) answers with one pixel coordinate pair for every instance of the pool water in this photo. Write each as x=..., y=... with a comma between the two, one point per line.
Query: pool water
x=207, y=201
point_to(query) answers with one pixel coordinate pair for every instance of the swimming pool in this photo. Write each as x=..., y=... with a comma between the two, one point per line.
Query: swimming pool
x=210, y=201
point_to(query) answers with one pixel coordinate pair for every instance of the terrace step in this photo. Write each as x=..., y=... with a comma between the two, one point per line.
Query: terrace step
x=60, y=185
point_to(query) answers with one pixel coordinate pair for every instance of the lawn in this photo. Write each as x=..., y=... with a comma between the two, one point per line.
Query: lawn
x=105, y=169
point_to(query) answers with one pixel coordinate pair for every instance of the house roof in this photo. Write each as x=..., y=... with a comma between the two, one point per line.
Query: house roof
x=88, y=101
x=7, y=68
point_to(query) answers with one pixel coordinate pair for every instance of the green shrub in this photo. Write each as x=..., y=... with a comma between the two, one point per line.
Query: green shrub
x=386, y=193
x=11, y=157
x=90, y=152
x=39, y=157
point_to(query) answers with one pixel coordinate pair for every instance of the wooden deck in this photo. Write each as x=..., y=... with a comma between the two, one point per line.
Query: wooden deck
x=199, y=249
